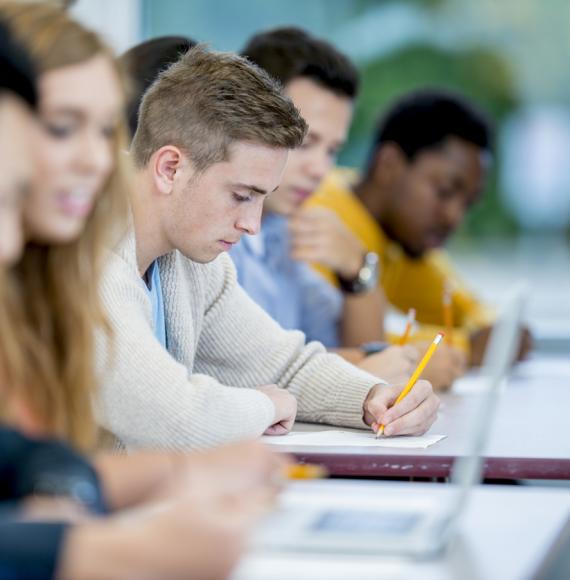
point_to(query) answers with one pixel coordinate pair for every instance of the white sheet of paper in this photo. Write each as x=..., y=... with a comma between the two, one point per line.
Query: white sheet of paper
x=352, y=439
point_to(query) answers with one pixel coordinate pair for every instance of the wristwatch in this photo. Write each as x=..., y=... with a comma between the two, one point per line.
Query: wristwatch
x=374, y=347
x=367, y=277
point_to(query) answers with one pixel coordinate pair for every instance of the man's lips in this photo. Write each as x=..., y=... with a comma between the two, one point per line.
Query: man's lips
x=436, y=239
x=228, y=245
x=302, y=193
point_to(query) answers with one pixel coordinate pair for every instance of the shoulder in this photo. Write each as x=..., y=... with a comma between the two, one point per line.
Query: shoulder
x=121, y=270
x=336, y=188
x=439, y=259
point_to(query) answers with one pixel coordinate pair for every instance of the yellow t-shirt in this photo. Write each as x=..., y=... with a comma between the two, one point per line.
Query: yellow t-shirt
x=407, y=283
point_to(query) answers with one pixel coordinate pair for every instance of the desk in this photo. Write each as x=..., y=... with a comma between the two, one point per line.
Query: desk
x=505, y=533
x=525, y=407
x=552, y=336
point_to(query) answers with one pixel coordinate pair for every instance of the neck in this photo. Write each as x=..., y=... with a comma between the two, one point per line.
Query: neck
x=372, y=197
x=151, y=242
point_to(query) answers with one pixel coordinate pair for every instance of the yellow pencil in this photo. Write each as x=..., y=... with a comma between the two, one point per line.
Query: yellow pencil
x=417, y=373
x=448, y=312
x=304, y=471
x=409, y=324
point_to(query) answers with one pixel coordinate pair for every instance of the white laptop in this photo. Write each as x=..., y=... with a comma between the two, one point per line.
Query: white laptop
x=368, y=521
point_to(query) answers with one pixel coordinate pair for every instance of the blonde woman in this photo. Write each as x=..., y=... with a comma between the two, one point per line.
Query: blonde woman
x=76, y=206
x=74, y=199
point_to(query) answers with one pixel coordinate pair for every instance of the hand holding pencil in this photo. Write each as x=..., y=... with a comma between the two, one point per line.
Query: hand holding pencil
x=413, y=415
x=415, y=376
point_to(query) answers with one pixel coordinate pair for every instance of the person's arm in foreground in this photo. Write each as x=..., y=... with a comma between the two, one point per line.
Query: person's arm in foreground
x=198, y=537
x=144, y=476
x=181, y=539
x=254, y=349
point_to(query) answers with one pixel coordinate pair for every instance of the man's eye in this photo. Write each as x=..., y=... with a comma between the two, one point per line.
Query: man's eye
x=238, y=197
x=58, y=131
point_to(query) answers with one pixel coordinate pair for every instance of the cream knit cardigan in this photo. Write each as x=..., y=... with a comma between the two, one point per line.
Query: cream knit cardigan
x=220, y=346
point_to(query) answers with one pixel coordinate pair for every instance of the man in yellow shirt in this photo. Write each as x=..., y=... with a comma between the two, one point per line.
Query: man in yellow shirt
x=427, y=168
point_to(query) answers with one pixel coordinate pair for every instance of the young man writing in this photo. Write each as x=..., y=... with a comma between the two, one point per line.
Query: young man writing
x=274, y=267
x=205, y=364
x=322, y=83
x=427, y=168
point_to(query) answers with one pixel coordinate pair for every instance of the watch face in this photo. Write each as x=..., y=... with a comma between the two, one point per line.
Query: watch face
x=366, y=279
x=368, y=275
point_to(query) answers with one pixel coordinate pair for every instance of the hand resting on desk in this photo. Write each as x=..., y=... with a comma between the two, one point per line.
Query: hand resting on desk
x=285, y=409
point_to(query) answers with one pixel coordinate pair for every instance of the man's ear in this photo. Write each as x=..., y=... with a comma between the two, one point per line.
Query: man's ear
x=166, y=164
x=389, y=164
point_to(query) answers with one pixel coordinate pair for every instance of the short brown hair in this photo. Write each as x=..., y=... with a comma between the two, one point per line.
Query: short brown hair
x=206, y=101
x=288, y=53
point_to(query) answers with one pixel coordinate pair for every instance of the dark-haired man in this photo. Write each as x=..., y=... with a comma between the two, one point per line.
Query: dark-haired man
x=427, y=168
x=273, y=266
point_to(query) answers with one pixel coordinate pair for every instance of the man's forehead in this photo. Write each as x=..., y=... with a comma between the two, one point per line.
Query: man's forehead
x=251, y=166
x=455, y=153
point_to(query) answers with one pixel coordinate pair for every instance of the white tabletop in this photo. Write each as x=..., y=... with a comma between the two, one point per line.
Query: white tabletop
x=505, y=533
x=531, y=421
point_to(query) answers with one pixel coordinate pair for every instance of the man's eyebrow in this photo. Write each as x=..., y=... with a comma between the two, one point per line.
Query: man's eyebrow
x=253, y=188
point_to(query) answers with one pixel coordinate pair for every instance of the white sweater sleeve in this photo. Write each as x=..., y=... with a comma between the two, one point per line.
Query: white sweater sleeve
x=147, y=398
x=241, y=345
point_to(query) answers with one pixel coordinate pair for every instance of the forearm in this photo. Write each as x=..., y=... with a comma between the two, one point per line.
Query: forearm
x=256, y=351
x=363, y=318
x=148, y=400
x=351, y=355
x=102, y=550
x=128, y=480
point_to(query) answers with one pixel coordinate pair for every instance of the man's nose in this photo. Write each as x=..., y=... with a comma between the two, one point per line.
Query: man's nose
x=249, y=220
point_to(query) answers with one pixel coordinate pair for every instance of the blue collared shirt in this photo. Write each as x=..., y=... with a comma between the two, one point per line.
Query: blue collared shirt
x=154, y=289
x=289, y=291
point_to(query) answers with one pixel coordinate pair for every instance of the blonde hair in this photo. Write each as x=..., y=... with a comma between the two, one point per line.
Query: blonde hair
x=54, y=307
x=206, y=101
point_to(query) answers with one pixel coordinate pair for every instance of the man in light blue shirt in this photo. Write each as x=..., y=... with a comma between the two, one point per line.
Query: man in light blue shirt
x=294, y=294
x=274, y=266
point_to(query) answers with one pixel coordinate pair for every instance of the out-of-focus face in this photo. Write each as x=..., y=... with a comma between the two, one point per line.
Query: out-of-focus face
x=428, y=198
x=79, y=110
x=207, y=213
x=17, y=133
x=328, y=116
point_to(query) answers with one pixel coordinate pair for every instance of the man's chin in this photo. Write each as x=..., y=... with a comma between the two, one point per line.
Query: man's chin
x=202, y=257
x=418, y=251
x=413, y=253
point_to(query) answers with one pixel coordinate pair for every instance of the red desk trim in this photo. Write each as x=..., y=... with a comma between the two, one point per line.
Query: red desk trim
x=434, y=466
